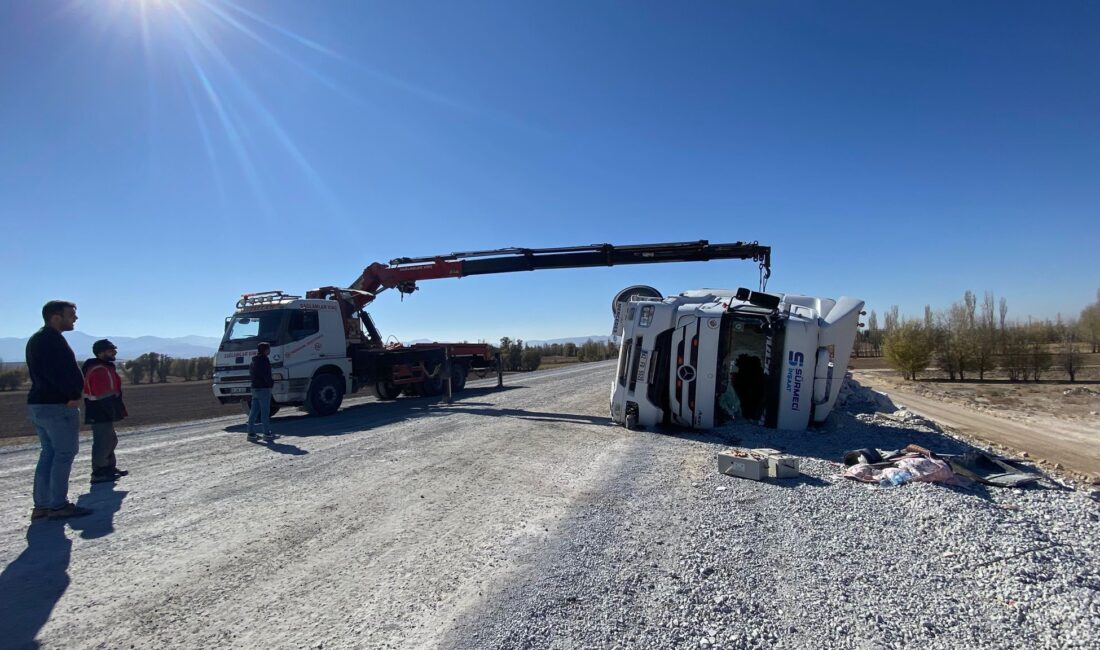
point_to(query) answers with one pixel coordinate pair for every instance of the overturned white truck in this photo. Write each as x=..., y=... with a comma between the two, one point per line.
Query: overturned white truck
x=707, y=357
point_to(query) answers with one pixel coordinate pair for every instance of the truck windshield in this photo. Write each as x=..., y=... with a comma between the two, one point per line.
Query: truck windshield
x=739, y=391
x=246, y=331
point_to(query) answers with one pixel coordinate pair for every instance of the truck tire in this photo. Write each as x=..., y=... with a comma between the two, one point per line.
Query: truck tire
x=247, y=404
x=326, y=393
x=386, y=390
x=432, y=386
x=458, y=378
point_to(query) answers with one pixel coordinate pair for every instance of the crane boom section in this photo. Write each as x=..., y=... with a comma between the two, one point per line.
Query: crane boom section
x=404, y=272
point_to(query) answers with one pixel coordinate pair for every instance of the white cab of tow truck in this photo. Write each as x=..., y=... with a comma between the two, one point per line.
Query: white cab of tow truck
x=712, y=356
x=305, y=335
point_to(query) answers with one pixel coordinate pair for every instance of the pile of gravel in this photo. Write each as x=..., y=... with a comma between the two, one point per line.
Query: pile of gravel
x=670, y=553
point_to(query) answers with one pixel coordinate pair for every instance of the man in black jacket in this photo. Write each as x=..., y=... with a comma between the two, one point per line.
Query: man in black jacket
x=54, y=407
x=262, y=382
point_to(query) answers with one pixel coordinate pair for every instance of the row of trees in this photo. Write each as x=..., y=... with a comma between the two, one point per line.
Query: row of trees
x=11, y=378
x=153, y=367
x=968, y=339
x=150, y=367
x=158, y=367
x=516, y=355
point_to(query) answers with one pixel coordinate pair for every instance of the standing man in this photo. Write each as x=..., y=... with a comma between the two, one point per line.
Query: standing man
x=53, y=404
x=262, y=382
x=102, y=408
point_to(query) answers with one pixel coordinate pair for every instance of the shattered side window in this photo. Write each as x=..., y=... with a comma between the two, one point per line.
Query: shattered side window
x=740, y=390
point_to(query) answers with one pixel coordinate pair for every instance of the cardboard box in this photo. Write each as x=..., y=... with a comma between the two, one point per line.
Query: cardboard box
x=742, y=463
x=779, y=465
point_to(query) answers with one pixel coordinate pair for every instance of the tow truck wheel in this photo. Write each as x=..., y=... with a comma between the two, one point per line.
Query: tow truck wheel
x=326, y=393
x=432, y=386
x=458, y=378
x=247, y=404
x=387, y=390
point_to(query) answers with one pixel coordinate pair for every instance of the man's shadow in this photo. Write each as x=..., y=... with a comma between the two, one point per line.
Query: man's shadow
x=31, y=585
x=104, y=501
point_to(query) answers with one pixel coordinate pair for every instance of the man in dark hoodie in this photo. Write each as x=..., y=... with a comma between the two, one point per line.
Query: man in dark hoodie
x=53, y=404
x=102, y=408
x=262, y=382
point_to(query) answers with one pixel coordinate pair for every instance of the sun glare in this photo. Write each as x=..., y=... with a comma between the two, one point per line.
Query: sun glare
x=192, y=44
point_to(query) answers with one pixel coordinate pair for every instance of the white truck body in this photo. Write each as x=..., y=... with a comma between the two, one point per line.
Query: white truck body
x=707, y=357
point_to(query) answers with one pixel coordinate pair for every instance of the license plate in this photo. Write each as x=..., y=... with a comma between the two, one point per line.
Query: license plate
x=239, y=391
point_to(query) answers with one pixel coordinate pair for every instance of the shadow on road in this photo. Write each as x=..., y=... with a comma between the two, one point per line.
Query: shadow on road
x=32, y=585
x=104, y=501
x=283, y=448
x=358, y=417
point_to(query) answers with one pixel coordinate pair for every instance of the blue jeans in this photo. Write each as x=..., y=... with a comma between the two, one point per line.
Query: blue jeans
x=260, y=410
x=58, y=428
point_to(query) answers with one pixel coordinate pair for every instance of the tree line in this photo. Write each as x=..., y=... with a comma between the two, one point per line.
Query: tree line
x=156, y=368
x=150, y=367
x=969, y=338
x=516, y=355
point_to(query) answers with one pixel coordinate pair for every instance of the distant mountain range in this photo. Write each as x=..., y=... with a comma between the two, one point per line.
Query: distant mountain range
x=183, y=347
x=13, y=350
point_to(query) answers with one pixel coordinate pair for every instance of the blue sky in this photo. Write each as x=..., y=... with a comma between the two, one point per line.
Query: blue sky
x=161, y=157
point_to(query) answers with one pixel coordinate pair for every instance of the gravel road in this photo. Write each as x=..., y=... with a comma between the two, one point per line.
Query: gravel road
x=520, y=518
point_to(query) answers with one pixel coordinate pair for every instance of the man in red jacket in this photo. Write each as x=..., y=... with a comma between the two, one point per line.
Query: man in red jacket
x=102, y=408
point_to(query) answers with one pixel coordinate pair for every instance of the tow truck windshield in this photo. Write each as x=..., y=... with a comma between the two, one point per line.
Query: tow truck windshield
x=246, y=331
x=273, y=326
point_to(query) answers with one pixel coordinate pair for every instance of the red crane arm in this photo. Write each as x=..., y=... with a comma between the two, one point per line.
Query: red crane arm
x=403, y=273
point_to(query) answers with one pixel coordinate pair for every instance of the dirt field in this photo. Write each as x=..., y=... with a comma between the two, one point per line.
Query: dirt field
x=1012, y=400
x=148, y=404
x=1053, y=421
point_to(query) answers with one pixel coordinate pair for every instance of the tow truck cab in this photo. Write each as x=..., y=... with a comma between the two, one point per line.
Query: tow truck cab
x=307, y=338
x=707, y=357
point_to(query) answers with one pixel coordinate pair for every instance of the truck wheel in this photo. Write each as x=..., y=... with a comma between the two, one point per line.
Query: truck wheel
x=432, y=386
x=326, y=393
x=386, y=390
x=631, y=421
x=458, y=378
x=247, y=404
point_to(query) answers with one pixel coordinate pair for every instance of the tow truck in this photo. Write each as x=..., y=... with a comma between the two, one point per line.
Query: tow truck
x=324, y=345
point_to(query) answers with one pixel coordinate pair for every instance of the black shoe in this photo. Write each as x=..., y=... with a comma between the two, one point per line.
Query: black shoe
x=68, y=510
x=269, y=437
x=104, y=478
x=120, y=472
x=253, y=437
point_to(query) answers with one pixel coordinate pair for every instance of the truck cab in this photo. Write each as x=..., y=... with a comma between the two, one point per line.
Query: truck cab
x=307, y=339
x=711, y=356
x=323, y=348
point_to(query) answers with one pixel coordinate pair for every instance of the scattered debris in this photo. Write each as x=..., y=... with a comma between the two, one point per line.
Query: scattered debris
x=757, y=464
x=1080, y=390
x=991, y=470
